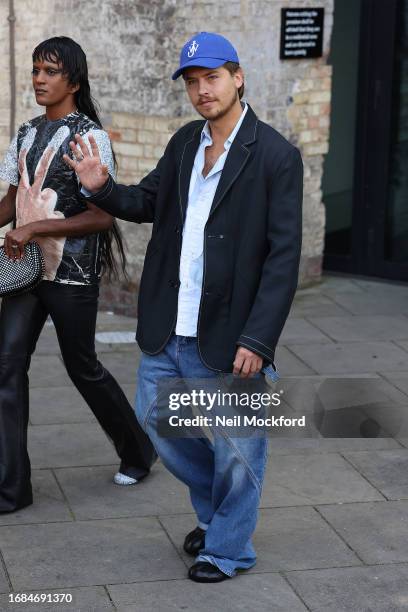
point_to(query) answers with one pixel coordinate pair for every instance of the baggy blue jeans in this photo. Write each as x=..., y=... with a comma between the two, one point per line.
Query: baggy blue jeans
x=224, y=475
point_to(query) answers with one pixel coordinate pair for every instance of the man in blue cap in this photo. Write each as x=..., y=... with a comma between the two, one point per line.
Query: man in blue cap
x=218, y=280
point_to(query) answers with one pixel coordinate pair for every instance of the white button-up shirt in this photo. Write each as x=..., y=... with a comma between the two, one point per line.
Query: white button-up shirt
x=200, y=197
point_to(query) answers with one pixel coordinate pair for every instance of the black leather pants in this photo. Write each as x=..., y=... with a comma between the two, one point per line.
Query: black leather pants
x=73, y=310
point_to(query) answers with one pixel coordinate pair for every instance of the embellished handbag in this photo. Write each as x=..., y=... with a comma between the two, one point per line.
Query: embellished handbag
x=23, y=274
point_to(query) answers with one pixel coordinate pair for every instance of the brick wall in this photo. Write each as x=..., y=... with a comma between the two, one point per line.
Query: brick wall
x=132, y=49
x=309, y=115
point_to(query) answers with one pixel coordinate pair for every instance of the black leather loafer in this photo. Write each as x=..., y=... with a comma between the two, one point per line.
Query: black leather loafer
x=194, y=541
x=206, y=572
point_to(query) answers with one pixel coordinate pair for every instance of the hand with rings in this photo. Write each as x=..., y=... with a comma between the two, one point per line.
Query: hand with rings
x=87, y=165
x=15, y=241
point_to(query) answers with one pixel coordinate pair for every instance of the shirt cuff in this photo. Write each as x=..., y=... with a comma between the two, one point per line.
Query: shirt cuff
x=85, y=192
x=99, y=195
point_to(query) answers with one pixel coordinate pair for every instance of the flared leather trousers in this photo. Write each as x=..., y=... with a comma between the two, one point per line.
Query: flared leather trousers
x=73, y=310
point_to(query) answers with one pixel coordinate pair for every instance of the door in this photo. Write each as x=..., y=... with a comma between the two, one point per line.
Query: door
x=365, y=183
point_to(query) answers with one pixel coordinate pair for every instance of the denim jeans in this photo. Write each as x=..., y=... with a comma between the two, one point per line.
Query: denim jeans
x=224, y=475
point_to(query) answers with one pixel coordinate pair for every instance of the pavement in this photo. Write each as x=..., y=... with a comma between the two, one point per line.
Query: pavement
x=333, y=526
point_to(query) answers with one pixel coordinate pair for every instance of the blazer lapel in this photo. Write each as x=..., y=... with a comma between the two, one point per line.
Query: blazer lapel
x=234, y=164
x=186, y=168
x=237, y=157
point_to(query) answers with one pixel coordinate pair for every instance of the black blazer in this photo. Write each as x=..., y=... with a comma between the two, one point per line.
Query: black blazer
x=252, y=242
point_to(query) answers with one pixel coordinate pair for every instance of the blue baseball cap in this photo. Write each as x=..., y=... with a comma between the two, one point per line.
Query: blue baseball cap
x=206, y=50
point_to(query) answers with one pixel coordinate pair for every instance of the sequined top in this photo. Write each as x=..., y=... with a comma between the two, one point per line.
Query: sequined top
x=49, y=189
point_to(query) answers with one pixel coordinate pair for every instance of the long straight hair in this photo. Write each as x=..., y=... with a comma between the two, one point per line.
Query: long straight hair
x=72, y=58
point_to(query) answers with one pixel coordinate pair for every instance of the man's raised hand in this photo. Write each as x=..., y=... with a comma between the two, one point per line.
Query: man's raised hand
x=91, y=172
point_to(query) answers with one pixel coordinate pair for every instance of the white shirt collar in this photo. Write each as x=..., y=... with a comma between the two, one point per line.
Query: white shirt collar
x=206, y=134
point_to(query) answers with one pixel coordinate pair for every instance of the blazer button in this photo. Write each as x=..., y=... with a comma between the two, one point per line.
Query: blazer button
x=174, y=284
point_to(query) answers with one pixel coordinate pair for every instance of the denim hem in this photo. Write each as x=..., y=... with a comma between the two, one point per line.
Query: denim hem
x=212, y=560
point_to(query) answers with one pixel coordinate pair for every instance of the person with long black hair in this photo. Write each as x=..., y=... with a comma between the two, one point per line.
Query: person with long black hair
x=76, y=239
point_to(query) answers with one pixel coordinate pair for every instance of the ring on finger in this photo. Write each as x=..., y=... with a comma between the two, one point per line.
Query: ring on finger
x=77, y=153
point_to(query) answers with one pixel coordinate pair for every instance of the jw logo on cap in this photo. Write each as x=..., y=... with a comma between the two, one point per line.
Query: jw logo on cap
x=192, y=49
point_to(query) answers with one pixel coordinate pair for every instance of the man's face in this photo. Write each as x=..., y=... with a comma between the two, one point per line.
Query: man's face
x=212, y=91
x=50, y=85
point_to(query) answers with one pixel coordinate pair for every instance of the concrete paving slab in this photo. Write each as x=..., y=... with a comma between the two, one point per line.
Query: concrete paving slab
x=48, y=342
x=92, y=494
x=299, y=331
x=339, y=391
x=84, y=599
x=403, y=441
x=297, y=480
x=53, y=405
x=380, y=303
x=281, y=446
x=263, y=592
x=338, y=284
x=377, y=393
x=48, y=371
x=387, y=470
x=288, y=364
x=88, y=553
x=49, y=503
x=122, y=365
x=103, y=347
x=357, y=444
x=360, y=328
x=376, y=531
x=330, y=284
x=366, y=589
x=286, y=446
x=130, y=391
x=295, y=538
x=403, y=344
x=56, y=405
x=398, y=379
x=177, y=526
x=352, y=357
x=4, y=585
x=316, y=306
x=109, y=321
x=348, y=416
x=377, y=286
x=285, y=538
x=66, y=445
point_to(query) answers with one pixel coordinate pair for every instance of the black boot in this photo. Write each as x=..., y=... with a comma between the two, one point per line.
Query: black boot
x=194, y=541
x=206, y=572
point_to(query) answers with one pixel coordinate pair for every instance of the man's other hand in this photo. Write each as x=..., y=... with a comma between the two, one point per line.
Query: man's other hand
x=246, y=363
